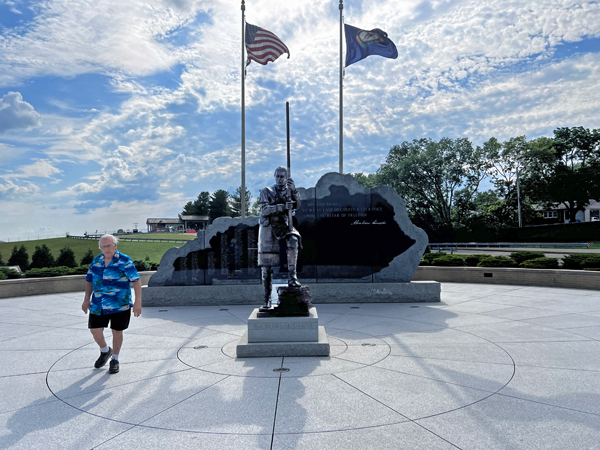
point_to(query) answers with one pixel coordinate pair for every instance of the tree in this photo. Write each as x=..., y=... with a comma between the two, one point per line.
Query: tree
x=369, y=180
x=199, y=207
x=219, y=204
x=87, y=258
x=1, y=261
x=431, y=176
x=255, y=211
x=66, y=258
x=506, y=160
x=42, y=257
x=566, y=169
x=19, y=257
x=236, y=202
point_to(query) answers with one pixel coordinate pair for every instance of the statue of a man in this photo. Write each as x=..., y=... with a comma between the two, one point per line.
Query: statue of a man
x=276, y=203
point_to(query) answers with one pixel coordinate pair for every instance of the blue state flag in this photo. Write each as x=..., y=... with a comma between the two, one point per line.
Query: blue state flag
x=362, y=43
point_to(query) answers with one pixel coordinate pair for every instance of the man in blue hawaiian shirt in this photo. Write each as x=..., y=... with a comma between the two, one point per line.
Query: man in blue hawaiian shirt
x=108, y=298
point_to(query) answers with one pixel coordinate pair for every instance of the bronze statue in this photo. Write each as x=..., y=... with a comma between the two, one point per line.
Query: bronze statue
x=277, y=204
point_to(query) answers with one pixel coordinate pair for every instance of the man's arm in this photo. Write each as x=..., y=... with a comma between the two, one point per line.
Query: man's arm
x=87, y=298
x=137, y=305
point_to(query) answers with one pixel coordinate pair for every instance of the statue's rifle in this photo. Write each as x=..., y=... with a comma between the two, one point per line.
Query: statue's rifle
x=289, y=168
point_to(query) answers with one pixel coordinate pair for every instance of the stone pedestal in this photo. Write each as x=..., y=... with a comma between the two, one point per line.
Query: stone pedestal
x=283, y=336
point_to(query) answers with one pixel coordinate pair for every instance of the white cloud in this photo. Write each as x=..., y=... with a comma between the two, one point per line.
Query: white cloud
x=12, y=191
x=16, y=114
x=42, y=168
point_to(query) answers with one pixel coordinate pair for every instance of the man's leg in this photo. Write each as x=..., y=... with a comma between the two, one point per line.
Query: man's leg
x=117, y=339
x=267, y=281
x=98, y=334
x=292, y=258
x=105, y=350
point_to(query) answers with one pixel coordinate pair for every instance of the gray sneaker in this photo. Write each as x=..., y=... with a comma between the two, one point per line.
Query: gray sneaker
x=114, y=366
x=103, y=358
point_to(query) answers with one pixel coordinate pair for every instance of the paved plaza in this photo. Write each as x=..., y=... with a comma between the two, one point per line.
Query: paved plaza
x=490, y=367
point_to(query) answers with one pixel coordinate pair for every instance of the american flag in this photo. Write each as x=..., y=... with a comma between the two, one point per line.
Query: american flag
x=263, y=46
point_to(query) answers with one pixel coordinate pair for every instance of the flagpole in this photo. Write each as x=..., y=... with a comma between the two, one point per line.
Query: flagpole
x=341, y=96
x=243, y=191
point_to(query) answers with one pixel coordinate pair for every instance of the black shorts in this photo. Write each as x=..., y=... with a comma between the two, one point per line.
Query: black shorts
x=119, y=321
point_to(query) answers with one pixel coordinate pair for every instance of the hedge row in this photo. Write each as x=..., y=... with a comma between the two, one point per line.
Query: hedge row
x=59, y=271
x=527, y=260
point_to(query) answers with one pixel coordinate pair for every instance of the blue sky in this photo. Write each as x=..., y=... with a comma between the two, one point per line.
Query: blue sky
x=112, y=112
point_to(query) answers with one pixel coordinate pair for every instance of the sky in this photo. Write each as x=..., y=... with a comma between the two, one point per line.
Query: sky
x=112, y=112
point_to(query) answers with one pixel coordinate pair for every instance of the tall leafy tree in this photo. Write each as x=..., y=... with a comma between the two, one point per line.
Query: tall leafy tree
x=219, y=204
x=432, y=176
x=19, y=257
x=369, y=180
x=566, y=170
x=199, y=207
x=235, y=203
x=510, y=162
x=87, y=258
x=42, y=257
x=66, y=258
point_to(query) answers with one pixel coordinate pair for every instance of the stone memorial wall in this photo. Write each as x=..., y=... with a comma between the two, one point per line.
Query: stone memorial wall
x=349, y=234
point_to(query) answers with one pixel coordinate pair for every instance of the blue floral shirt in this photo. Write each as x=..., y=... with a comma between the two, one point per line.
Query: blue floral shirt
x=111, y=284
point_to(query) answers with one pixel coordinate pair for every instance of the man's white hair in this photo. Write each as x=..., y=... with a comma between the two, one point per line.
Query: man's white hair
x=114, y=239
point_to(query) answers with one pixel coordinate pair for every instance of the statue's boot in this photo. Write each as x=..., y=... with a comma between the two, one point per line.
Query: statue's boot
x=292, y=257
x=267, y=281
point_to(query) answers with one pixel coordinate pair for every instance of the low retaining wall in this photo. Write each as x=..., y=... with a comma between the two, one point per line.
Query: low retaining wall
x=251, y=294
x=577, y=279
x=50, y=285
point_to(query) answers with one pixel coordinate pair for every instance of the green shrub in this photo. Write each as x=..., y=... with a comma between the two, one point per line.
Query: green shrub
x=87, y=258
x=473, y=260
x=1, y=261
x=573, y=261
x=80, y=270
x=57, y=271
x=424, y=262
x=497, y=261
x=19, y=257
x=154, y=265
x=431, y=256
x=591, y=262
x=519, y=257
x=579, y=261
x=540, y=263
x=2, y=276
x=48, y=272
x=449, y=260
x=42, y=257
x=66, y=258
x=10, y=274
x=141, y=266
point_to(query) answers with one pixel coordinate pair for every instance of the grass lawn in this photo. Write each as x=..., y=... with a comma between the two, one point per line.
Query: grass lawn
x=136, y=250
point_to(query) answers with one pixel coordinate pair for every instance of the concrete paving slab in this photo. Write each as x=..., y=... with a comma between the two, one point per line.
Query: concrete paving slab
x=306, y=406
x=490, y=366
x=578, y=390
x=403, y=436
x=159, y=438
x=54, y=425
x=565, y=321
x=235, y=405
x=32, y=388
x=513, y=331
x=582, y=355
x=502, y=422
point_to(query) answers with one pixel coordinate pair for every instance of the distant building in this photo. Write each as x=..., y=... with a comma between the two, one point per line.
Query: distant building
x=182, y=223
x=560, y=214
